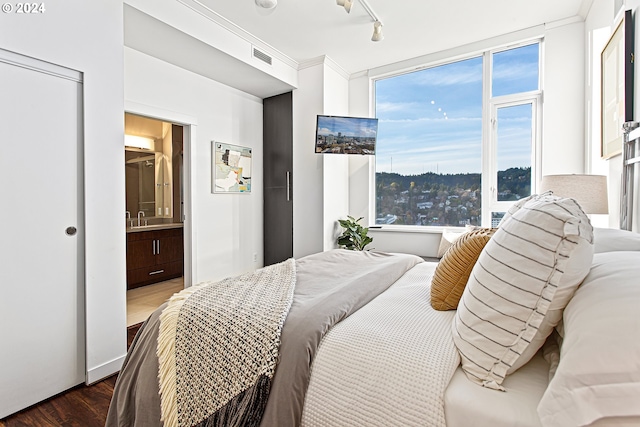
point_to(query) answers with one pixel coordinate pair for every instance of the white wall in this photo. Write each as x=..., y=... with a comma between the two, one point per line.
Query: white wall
x=563, y=105
x=87, y=36
x=599, y=26
x=226, y=228
x=320, y=182
x=336, y=167
x=307, y=176
x=563, y=114
x=335, y=204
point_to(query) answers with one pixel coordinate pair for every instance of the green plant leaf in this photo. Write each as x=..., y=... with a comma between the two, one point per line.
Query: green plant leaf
x=354, y=235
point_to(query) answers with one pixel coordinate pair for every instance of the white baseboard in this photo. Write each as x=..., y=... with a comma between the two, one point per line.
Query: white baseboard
x=105, y=370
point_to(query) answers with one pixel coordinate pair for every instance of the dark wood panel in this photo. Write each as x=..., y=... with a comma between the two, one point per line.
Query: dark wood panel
x=169, y=232
x=278, y=139
x=277, y=166
x=169, y=249
x=140, y=254
x=278, y=226
x=153, y=274
x=154, y=234
x=82, y=406
x=154, y=256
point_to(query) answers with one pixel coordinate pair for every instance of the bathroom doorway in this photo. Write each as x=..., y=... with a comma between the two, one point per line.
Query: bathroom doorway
x=158, y=261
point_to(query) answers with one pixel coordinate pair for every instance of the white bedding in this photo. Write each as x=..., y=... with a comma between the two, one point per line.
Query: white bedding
x=467, y=404
x=393, y=363
x=387, y=364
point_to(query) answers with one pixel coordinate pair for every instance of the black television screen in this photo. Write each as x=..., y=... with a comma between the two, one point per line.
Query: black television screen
x=346, y=135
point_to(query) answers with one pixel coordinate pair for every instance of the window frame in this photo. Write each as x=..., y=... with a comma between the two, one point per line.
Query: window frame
x=489, y=202
x=489, y=185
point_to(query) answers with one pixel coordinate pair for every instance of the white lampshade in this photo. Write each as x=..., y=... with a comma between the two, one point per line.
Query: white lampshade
x=590, y=191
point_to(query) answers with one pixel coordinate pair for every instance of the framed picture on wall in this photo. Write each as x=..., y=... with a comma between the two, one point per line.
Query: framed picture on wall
x=231, y=168
x=616, y=86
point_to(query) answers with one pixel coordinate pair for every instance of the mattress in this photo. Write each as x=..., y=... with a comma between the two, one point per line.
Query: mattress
x=468, y=404
x=388, y=364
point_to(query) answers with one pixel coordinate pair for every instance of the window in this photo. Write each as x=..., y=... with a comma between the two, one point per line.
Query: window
x=457, y=142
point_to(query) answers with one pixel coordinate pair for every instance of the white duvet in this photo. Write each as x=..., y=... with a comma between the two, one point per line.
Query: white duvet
x=388, y=364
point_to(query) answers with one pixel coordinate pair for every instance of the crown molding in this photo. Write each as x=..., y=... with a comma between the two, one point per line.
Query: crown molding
x=585, y=7
x=363, y=73
x=200, y=8
x=324, y=60
x=562, y=22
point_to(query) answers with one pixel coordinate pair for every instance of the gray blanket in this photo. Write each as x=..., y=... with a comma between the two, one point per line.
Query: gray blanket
x=329, y=287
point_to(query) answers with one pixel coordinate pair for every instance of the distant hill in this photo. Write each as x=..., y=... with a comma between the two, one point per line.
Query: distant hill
x=429, y=179
x=442, y=199
x=515, y=180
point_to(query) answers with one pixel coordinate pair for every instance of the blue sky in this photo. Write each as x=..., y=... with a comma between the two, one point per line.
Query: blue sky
x=348, y=126
x=431, y=120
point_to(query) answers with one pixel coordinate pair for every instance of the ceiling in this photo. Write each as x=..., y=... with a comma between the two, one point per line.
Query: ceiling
x=307, y=29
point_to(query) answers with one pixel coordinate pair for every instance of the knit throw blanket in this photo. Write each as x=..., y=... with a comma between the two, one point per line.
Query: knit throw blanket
x=218, y=348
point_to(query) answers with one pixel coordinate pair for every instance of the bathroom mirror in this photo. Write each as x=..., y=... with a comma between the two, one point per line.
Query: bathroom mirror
x=148, y=168
x=145, y=183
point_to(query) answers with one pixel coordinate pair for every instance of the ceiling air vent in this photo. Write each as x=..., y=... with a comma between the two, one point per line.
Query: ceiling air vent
x=261, y=56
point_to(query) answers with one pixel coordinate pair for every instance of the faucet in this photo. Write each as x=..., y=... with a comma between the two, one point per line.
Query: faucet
x=139, y=213
x=129, y=217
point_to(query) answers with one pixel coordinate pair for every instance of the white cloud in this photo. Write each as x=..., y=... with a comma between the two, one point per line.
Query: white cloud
x=453, y=74
x=388, y=107
x=516, y=72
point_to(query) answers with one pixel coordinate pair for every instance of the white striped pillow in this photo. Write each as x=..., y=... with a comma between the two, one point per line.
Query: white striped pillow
x=519, y=204
x=524, y=277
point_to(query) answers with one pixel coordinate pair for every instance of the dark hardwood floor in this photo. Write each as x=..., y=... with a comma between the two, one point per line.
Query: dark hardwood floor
x=82, y=406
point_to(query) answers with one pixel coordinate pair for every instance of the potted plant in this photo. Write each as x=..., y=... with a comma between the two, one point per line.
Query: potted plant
x=354, y=236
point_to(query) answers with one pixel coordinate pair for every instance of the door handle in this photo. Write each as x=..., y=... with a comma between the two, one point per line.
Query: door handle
x=288, y=186
x=154, y=247
x=71, y=231
x=158, y=246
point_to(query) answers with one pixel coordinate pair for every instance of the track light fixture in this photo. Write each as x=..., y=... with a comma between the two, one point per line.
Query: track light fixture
x=377, y=24
x=377, y=32
x=267, y=4
x=346, y=4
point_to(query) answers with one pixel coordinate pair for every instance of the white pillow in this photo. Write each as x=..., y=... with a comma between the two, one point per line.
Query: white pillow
x=612, y=239
x=448, y=239
x=599, y=371
x=449, y=236
x=524, y=277
x=519, y=204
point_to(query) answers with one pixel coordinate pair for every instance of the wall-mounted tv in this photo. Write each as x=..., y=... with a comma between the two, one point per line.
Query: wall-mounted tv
x=346, y=135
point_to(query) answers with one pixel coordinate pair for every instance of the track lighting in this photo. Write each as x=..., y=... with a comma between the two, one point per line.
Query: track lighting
x=346, y=4
x=377, y=24
x=377, y=32
x=267, y=4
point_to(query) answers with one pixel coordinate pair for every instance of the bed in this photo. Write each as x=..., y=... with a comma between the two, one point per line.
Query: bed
x=358, y=341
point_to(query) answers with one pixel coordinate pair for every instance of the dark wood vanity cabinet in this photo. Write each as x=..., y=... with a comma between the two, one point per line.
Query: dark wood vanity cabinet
x=154, y=256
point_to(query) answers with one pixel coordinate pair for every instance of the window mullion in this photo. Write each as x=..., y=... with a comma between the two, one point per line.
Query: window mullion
x=488, y=152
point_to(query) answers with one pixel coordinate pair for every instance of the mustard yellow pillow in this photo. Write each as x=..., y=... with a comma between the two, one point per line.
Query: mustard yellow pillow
x=453, y=270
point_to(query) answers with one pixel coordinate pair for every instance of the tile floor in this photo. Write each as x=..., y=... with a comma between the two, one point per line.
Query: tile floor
x=142, y=301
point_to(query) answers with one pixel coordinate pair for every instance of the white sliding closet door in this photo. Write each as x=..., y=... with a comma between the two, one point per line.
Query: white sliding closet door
x=42, y=333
